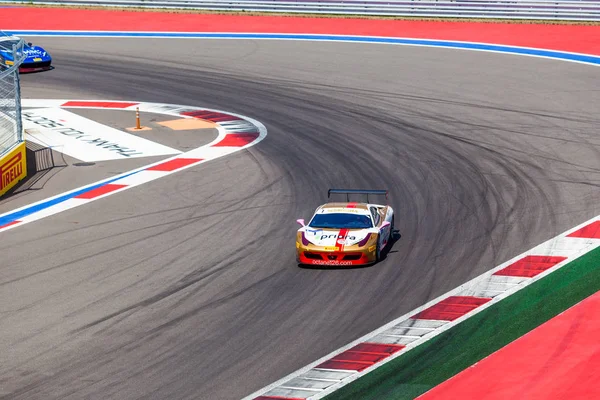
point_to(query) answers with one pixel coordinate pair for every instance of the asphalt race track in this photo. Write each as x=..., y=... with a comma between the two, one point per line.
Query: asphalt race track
x=187, y=287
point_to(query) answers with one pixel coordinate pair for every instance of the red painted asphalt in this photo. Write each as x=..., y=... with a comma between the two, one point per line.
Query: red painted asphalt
x=591, y=231
x=558, y=360
x=573, y=38
x=102, y=190
x=103, y=104
x=175, y=164
x=452, y=308
x=361, y=356
x=530, y=266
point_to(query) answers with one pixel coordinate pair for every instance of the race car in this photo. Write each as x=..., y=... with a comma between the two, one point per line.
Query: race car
x=346, y=233
x=36, y=58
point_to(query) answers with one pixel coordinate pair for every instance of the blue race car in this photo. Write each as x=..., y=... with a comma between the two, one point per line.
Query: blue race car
x=36, y=58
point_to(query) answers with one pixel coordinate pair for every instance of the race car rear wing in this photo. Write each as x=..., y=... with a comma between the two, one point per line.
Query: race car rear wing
x=348, y=192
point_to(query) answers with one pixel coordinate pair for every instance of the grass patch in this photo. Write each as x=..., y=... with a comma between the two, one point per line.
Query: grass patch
x=427, y=365
x=308, y=15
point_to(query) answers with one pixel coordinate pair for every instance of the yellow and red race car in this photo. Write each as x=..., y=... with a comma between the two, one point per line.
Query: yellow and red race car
x=345, y=233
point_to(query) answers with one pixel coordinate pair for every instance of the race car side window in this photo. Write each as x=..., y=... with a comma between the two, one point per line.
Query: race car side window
x=375, y=214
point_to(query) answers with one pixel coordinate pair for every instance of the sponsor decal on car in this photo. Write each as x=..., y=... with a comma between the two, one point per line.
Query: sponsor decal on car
x=330, y=262
x=343, y=210
x=340, y=237
x=33, y=52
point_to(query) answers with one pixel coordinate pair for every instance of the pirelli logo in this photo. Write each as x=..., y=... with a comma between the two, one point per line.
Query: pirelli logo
x=13, y=168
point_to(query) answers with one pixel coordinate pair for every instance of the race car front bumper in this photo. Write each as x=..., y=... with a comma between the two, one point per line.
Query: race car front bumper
x=334, y=258
x=35, y=66
x=27, y=70
x=362, y=253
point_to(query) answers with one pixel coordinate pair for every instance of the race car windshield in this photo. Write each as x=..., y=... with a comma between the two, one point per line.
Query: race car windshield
x=341, y=221
x=8, y=44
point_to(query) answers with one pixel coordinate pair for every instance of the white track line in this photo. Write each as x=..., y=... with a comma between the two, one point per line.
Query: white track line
x=235, y=133
x=568, y=247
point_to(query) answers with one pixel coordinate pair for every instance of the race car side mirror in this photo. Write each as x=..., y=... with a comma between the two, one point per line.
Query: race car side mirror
x=300, y=221
x=29, y=44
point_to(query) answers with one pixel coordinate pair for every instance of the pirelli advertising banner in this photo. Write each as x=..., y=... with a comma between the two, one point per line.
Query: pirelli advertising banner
x=13, y=168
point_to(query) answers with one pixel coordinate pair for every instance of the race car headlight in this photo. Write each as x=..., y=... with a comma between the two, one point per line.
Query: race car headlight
x=365, y=240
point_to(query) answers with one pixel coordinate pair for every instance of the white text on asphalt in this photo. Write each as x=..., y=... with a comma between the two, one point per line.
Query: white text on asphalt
x=56, y=126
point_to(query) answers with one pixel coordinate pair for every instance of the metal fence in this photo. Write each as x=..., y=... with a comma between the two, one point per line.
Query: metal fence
x=12, y=55
x=506, y=9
